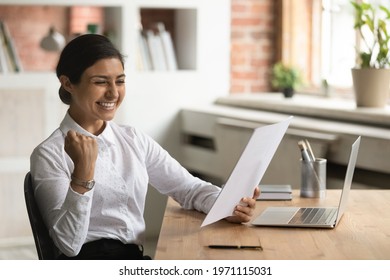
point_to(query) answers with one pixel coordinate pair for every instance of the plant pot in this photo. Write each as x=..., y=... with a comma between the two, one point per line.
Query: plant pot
x=288, y=92
x=371, y=87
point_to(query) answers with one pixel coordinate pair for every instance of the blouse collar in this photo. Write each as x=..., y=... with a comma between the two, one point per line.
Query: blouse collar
x=107, y=135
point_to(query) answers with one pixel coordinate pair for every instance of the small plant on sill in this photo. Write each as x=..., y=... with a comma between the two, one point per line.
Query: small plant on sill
x=285, y=78
x=373, y=25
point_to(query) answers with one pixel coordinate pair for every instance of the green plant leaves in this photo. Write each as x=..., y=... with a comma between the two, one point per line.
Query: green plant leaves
x=377, y=54
x=284, y=76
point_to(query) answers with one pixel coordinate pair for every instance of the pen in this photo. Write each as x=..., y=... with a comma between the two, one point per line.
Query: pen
x=310, y=150
x=308, y=155
x=305, y=154
x=256, y=247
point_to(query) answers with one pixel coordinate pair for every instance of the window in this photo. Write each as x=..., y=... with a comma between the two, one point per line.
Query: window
x=318, y=37
x=340, y=41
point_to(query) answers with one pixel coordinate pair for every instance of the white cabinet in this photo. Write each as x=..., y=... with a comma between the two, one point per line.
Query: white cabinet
x=215, y=136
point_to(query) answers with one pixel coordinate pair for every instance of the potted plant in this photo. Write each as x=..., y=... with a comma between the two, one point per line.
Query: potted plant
x=285, y=78
x=371, y=75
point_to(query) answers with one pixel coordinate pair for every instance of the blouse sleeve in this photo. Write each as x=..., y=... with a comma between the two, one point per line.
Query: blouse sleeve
x=170, y=178
x=65, y=212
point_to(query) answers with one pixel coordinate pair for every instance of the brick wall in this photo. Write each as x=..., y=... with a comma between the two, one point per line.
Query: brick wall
x=252, y=45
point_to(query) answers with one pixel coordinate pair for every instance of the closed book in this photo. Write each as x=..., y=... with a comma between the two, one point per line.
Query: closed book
x=3, y=58
x=145, y=62
x=275, y=192
x=169, y=52
x=14, y=64
x=156, y=51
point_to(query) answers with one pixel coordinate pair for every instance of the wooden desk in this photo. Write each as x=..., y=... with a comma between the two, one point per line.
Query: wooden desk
x=363, y=232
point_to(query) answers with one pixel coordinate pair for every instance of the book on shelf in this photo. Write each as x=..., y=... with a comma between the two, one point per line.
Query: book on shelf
x=5, y=59
x=3, y=56
x=275, y=192
x=167, y=43
x=9, y=58
x=144, y=60
x=156, y=49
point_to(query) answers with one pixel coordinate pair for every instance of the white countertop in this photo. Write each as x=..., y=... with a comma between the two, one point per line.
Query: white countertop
x=312, y=106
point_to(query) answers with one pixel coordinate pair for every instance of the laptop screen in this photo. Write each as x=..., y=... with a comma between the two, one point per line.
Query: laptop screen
x=348, y=178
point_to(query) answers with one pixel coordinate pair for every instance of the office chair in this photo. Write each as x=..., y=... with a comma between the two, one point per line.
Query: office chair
x=43, y=242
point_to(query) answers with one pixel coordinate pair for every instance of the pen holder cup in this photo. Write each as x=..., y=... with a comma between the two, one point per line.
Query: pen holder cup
x=313, y=178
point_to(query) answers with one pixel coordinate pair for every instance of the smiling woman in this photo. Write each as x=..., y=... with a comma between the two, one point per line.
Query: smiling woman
x=91, y=176
x=77, y=57
x=98, y=94
x=92, y=79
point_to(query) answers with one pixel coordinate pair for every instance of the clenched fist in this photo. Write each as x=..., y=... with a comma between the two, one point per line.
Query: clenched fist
x=83, y=150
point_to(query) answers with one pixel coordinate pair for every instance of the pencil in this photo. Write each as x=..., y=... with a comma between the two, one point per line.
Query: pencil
x=256, y=247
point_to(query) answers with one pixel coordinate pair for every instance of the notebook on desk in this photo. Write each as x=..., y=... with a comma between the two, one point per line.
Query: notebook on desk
x=315, y=217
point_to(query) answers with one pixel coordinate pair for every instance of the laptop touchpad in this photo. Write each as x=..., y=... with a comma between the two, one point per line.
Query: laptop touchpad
x=276, y=215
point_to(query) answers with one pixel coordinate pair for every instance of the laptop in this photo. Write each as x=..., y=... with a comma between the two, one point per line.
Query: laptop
x=313, y=217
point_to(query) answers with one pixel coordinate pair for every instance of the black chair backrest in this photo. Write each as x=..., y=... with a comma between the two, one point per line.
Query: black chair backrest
x=43, y=242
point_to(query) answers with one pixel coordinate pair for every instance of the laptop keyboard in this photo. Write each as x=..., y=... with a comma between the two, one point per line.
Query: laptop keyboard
x=313, y=216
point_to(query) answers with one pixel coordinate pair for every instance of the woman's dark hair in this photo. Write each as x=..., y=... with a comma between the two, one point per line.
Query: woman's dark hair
x=80, y=54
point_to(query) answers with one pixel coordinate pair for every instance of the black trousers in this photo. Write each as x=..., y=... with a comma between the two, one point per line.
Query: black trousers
x=108, y=249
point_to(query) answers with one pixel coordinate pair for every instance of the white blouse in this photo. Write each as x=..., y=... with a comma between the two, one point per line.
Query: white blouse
x=127, y=162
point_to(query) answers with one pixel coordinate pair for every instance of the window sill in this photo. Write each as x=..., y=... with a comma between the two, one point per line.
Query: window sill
x=313, y=106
